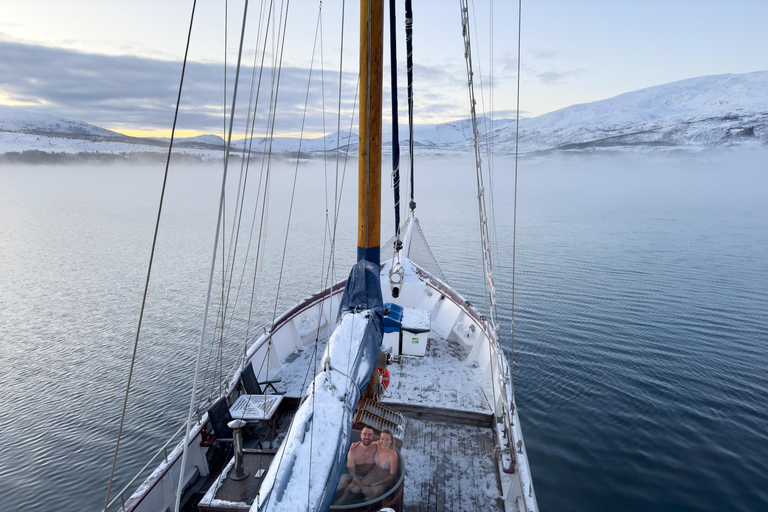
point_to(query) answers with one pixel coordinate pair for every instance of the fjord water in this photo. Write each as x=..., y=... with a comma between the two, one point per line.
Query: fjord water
x=641, y=333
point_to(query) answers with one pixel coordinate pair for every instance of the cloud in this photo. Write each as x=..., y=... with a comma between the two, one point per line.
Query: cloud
x=558, y=77
x=125, y=92
x=128, y=93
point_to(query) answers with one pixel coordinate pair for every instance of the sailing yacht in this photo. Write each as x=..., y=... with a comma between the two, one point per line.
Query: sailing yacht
x=393, y=348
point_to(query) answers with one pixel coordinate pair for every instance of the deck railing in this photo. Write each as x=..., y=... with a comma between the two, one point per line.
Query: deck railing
x=120, y=497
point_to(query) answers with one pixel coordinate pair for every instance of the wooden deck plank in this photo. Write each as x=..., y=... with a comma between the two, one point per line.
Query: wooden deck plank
x=440, y=478
x=439, y=414
x=451, y=493
x=437, y=485
x=457, y=473
x=450, y=467
x=426, y=487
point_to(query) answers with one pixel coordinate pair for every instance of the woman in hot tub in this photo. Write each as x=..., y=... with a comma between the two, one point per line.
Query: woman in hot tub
x=384, y=471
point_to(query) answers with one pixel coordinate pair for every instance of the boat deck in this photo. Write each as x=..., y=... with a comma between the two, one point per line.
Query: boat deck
x=448, y=443
x=450, y=467
x=443, y=378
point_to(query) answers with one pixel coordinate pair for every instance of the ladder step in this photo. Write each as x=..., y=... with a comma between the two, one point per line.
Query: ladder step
x=379, y=417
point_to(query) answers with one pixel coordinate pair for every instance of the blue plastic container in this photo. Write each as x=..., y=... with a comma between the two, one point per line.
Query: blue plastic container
x=393, y=318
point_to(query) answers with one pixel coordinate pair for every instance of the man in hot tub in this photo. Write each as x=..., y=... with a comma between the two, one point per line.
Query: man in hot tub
x=359, y=462
x=381, y=476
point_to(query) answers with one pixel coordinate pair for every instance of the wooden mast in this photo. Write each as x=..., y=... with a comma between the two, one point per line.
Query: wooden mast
x=369, y=149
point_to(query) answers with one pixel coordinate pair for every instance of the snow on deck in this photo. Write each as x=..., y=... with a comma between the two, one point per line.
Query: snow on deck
x=442, y=378
x=450, y=467
x=300, y=369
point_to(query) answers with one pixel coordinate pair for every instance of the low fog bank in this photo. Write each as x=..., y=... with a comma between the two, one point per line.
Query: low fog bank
x=36, y=157
x=738, y=157
x=723, y=159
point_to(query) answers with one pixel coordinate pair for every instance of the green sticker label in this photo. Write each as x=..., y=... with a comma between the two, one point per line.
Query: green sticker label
x=415, y=340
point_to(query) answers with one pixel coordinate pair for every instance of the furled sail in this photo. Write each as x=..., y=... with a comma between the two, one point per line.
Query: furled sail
x=308, y=465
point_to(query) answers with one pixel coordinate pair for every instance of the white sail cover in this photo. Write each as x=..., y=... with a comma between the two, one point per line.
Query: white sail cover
x=305, y=472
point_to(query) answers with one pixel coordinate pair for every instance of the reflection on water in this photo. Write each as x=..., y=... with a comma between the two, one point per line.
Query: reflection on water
x=640, y=355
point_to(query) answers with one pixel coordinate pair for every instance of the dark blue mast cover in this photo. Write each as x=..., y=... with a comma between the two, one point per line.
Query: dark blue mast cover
x=363, y=288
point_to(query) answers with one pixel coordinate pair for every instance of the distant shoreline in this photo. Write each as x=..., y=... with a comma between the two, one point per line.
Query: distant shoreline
x=37, y=157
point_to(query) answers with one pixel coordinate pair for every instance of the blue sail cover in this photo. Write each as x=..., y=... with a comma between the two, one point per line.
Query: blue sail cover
x=307, y=467
x=363, y=288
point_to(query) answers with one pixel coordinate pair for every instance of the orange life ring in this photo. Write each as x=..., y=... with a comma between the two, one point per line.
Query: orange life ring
x=384, y=377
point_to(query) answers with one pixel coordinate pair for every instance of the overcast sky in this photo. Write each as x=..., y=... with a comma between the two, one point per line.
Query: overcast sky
x=117, y=64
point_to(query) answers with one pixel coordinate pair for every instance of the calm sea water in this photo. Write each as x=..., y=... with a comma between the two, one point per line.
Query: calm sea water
x=641, y=328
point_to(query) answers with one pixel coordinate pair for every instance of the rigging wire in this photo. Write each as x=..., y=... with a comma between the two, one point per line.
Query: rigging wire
x=332, y=260
x=261, y=174
x=395, y=127
x=151, y=259
x=296, y=171
x=213, y=263
x=266, y=359
x=271, y=139
x=218, y=367
x=262, y=226
x=244, y=171
x=340, y=189
x=481, y=203
x=221, y=311
x=240, y=202
x=265, y=164
x=264, y=198
x=514, y=208
x=337, y=199
x=488, y=127
x=492, y=139
x=409, y=73
x=325, y=237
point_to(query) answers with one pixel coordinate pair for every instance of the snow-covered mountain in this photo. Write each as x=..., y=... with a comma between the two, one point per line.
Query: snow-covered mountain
x=15, y=121
x=711, y=111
